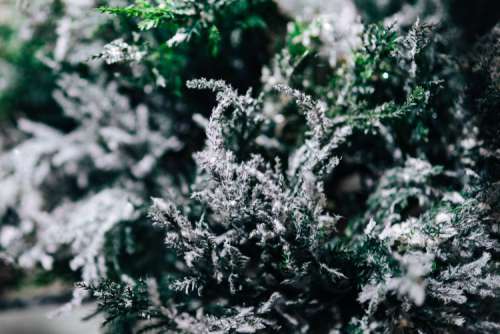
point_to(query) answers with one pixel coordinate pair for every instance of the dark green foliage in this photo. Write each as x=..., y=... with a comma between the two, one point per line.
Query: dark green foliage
x=25, y=75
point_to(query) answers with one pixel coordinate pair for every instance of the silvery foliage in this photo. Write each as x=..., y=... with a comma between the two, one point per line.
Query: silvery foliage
x=112, y=140
x=258, y=241
x=259, y=249
x=443, y=248
x=51, y=180
x=335, y=24
x=75, y=28
x=432, y=11
x=263, y=230
x=118, y=51
x=332, y=30
x=242, y=320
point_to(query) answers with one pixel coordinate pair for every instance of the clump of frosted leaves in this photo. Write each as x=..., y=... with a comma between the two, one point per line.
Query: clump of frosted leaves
x=118, y=51
x=76, y=27
x=402, y=184
x=336, y=24
x=111, y=138
x=415, y=265
x=431, y=11
x=252, y=203
x=439, y=247
x=85, y=226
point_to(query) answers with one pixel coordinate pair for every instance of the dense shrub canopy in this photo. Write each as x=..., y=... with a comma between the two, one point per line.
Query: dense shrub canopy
x=257, y=166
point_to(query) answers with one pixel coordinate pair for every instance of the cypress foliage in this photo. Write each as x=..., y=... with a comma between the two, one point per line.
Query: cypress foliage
x=259, y=166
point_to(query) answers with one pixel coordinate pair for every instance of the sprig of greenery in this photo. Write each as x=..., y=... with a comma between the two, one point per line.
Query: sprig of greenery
x=151, y=16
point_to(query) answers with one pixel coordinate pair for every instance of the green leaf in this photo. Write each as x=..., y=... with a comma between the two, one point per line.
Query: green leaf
x=214, y=40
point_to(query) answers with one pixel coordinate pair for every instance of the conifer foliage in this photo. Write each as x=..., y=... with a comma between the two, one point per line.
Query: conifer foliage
x=259, y=166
